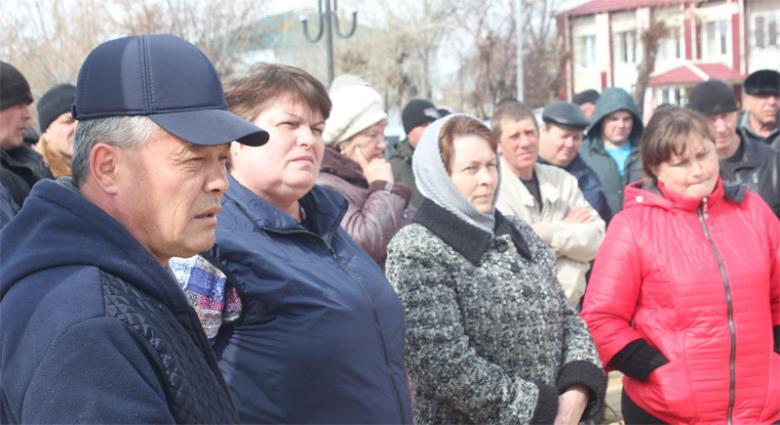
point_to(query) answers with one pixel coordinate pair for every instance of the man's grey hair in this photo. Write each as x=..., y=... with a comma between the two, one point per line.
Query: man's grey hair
x=123, y=132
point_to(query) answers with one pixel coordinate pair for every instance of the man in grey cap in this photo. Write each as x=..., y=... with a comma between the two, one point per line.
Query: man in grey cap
x=95, y=326
x=560, y=138
x=20, y=166
x=546, y=197
x=741, y=161
x=761, y=100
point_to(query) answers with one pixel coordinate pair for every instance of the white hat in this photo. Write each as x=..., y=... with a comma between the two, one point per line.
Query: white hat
x=355, y=108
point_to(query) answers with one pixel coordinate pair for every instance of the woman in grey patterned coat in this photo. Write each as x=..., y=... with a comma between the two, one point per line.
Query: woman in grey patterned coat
x=490, y=337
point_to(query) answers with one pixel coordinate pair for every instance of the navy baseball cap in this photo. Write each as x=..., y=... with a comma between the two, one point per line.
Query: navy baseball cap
x=167, y=79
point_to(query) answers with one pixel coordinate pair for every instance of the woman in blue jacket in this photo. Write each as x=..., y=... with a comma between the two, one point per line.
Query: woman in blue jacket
x=308, y=329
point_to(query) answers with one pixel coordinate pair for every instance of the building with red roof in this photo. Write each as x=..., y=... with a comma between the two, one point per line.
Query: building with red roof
x=723, y=39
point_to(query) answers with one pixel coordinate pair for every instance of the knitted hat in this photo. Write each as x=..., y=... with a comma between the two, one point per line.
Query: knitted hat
x=345, y=80
x=14, y=88
x=56, y=101
x=763, y=82
x=418, y=112
x=587, y=96
x=355, y=108
x=712, y=97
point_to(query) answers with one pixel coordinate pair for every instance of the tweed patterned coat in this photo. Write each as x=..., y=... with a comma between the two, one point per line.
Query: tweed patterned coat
x=490, y=337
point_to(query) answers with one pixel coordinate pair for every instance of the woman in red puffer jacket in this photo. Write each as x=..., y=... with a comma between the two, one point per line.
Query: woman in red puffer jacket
x=684, y=298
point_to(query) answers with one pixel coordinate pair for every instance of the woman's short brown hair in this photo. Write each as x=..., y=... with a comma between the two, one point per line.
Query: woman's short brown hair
x=458, y=126
x=667, y=135
x=266, y=83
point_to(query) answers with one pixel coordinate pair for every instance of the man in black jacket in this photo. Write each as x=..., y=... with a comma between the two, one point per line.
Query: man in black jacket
x=761, y=100
x=20, y=166
x=95, y=327
x=741, y=161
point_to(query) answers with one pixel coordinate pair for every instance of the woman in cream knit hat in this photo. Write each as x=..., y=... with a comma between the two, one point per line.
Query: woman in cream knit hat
x=354, y=165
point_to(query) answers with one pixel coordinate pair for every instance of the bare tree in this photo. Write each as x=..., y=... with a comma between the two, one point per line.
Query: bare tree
x=651, y=40
x=395, y=53
x=49, y=39
x=493, y=62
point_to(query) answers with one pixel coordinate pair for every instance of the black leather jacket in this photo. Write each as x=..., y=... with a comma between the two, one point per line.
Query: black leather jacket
x=757, y=165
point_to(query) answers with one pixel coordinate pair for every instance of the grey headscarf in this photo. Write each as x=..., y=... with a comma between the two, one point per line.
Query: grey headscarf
x=434, y=183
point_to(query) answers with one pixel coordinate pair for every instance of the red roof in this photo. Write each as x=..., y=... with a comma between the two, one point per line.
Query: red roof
x=598, y=6
x=690, y=74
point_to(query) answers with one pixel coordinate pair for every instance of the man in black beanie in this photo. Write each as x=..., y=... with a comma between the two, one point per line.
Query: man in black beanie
x=57, y=128
x=741, y=161
x=416, y=115
x=20, y=166
x=586, y=100
x=761, y=100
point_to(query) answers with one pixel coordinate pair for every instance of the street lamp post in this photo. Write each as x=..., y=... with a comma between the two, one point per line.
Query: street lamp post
x=519, y=12
x=327, y=20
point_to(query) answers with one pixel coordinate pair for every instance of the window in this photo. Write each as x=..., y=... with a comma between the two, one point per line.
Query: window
x=672, y=45
x=624, y=46
x=716, y=38
x=669, y=96
x=765, y=29
x=586, y=51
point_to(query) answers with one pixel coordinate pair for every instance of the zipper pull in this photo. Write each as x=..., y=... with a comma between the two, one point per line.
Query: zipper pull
x=705, y=206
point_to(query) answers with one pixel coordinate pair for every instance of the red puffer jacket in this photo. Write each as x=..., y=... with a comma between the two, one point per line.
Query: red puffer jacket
x=684, y=298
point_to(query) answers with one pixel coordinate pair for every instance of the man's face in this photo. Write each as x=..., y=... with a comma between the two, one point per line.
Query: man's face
x=616, y=127
x=416, y=133
x=168, y=194
x=763, y=108
x=725, y=128
x=60, y=134
x=519, y=144
x=587, y=109
x=559, y=145
x=13, y=122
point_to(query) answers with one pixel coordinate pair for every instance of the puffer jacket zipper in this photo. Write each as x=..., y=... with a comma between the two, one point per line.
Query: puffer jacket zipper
x=702, y=210
x=362, y=287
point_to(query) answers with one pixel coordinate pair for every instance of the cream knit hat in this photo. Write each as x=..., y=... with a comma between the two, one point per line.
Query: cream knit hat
x=355, y=108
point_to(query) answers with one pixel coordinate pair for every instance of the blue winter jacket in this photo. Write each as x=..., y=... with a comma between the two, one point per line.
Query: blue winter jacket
x=94, y=330
x=321, y=337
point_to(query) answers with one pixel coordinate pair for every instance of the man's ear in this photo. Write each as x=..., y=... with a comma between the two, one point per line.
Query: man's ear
x=103, y=167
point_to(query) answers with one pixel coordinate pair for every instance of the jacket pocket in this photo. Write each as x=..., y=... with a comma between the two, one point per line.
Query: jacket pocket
x=672, y=387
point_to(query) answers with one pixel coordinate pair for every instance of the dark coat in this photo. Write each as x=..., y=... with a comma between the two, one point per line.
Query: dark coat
x=401, y=161
x=94, y=329
x=596, y=157
x=20, y=169
x=757, y=165
x=589, y=184
x=320, y=339
x=375, y=211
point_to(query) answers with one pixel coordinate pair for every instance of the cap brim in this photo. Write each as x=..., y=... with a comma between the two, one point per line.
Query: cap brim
x=211, y=127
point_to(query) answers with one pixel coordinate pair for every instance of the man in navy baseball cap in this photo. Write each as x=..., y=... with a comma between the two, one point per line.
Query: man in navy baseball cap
x=95, y=327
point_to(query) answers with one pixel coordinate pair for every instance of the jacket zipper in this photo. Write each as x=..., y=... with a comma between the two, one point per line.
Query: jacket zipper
x=733, y=353
x=333, y=255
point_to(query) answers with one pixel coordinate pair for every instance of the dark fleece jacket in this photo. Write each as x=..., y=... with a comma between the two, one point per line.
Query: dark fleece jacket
x=94, y=330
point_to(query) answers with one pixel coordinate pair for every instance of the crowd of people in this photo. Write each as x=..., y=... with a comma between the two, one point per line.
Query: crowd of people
x=176, y=250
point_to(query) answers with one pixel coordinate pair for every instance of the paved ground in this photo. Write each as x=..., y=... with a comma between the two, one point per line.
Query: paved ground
x=614, y=387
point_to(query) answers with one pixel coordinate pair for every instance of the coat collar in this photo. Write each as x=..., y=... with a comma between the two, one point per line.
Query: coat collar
x=339, y=165
x=323, y=207
x=464, y=238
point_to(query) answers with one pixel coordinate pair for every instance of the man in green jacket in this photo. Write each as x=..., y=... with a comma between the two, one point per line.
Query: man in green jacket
x=416, y=115
x=611, y=144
